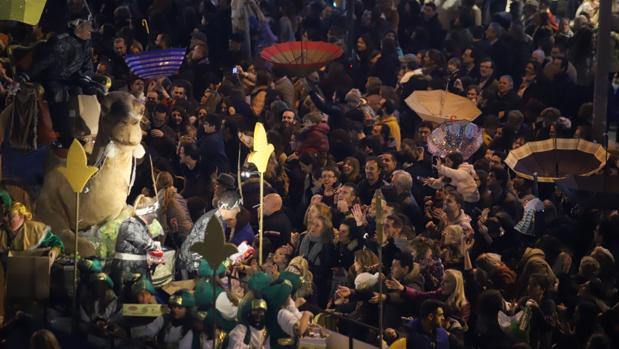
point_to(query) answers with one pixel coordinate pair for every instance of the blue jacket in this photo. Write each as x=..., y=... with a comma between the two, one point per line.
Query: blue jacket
x=244, y=234
x=213, y=153
x=418, y=339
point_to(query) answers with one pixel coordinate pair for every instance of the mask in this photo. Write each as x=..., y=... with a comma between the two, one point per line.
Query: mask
x=257, y=321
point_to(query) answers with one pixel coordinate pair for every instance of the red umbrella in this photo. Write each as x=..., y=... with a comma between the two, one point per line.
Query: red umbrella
x=301, y=57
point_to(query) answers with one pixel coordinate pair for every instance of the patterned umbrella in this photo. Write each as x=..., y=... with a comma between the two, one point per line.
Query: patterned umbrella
x=301, y=57
x=156, y=64
x=455, y=136
x=556, y=158
x=439, y=106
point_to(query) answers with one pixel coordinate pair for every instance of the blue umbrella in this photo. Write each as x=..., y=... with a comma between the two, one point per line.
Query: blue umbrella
x=156, y=64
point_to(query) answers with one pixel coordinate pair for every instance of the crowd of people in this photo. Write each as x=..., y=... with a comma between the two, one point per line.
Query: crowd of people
x=361, y=221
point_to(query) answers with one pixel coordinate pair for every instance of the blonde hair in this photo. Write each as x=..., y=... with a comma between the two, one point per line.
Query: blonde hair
x=22, y=210
x=457, y=298
x=323, y=211
x=142, y=201
x=300, y=266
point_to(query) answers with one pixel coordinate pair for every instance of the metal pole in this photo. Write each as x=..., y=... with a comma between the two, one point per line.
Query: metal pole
x=600, y=92
x=260, y=218
x=77, y=224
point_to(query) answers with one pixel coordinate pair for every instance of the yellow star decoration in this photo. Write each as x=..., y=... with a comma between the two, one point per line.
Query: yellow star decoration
x=77, y=172
x=262, y=149
x=214, y=249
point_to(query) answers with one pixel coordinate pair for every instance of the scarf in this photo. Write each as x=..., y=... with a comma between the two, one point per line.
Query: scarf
x=311, y=254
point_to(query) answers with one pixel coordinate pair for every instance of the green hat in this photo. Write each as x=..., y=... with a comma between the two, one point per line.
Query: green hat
x=277, y=294
x=258, y=282
x=182, y=298
x=142, y=284
x=205, y=270
x=6, y=199
x=295, y=280
x=204, y=294
x=102, y=277
x=90, y=265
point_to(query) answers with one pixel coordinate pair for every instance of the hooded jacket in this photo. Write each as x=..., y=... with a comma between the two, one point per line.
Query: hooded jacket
x=394, y=128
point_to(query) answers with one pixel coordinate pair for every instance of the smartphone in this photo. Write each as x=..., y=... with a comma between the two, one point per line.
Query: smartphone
x=235, y=70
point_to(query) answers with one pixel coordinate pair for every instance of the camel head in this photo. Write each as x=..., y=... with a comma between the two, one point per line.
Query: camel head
x=120, y=119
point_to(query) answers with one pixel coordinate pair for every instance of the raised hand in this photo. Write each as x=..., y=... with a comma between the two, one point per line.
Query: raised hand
x=358, y=214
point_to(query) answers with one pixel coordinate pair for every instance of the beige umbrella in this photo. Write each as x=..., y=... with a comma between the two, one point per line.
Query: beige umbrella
x=553, y=159
x=439, y=106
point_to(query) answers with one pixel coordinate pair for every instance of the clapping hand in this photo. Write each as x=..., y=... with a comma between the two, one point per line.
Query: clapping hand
x=359, y=216
x=376, y=298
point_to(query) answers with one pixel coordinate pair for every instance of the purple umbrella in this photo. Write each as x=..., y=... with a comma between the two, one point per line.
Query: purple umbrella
x=455, y=136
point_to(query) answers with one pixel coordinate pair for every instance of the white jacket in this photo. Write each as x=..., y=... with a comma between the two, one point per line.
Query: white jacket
x=463, y=178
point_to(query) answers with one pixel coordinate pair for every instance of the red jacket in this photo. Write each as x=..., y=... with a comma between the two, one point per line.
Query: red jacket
x=314, y=139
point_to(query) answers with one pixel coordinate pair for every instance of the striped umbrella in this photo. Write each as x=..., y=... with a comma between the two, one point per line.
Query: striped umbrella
x=301, y=57
x=156, y=64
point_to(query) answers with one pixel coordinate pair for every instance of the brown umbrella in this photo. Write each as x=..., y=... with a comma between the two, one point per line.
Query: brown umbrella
x=556, y=158
x=439, y=106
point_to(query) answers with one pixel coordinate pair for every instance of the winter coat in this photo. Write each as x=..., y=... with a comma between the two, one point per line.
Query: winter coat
x=463, y=179
x=394, y=128
x=314, y=139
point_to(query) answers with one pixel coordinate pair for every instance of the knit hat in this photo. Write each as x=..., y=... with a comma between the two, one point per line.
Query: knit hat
x=102, y=277
x=182, y=298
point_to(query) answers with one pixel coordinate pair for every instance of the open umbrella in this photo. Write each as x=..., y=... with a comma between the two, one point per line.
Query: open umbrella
x=156, y=64
x=301, y=57
x=556, y=158
x=455, y=136
x=599, y=191
x=439, y=106
x=25, y=11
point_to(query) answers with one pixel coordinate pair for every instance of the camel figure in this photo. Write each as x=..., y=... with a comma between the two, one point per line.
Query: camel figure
x=116, y=145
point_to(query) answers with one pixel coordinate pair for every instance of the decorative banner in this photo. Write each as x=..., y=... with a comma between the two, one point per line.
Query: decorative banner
x=25, y=11
x=262, y=149
x=214, y=249
x=144, y=310
x=77, y=172
x=156, y=64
